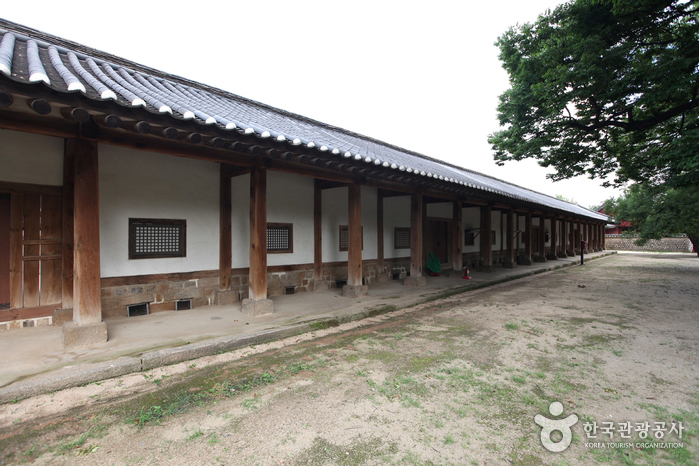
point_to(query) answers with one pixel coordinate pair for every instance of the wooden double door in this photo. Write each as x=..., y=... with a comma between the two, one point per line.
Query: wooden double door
x=31, y=246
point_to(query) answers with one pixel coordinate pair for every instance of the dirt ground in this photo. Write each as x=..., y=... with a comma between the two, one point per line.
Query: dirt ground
x=455, y=381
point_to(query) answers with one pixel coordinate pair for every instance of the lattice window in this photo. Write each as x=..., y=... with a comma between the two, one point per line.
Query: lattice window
x=401, y=238
x=344, y=238
x=157, y=238
x=280, y=238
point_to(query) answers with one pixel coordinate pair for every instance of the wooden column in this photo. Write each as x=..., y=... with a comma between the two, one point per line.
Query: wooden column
x=458, y=239
x=510, y=258
x=257, y=302
x=541, y=240
x=68, y=233
x=486, y=241
x=577, y=237
x=416, y=230
x=380, y=266
x=87, y=308
x=564, y=238
x=225, y=256
x=317, y=232
x=527, y=259
x=586, y=237
x=86, y=328
x=354, y=287
x=554, y=238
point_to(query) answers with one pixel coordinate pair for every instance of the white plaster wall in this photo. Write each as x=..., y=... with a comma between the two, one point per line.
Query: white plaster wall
x=334, y=212
x=290, y=200
x=396, y=213
x=471, y=219
x=440, y=210
x=137, y=184
x=240, y=221
x=31, y=158
x=495, y=224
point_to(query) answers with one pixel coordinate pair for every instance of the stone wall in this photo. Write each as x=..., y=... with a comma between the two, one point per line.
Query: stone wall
x=670, y=244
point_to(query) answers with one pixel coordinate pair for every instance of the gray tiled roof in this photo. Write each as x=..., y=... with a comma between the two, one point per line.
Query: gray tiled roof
x=32, y=57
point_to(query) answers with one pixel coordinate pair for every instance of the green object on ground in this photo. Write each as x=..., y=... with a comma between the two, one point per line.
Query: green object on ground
x=434, y=264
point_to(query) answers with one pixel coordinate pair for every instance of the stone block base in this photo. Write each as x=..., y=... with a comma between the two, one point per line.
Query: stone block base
x=525, y=261
x=570, y=253
x=61, y=316
x=258, y=308
x=539, y=258
x=509, y=264
x=355, y=291
x=227, y=297
x=320, y=285
x=562, y=255
x=552, y=257
x=415, y=281
x=486, y=268
x=77, y=336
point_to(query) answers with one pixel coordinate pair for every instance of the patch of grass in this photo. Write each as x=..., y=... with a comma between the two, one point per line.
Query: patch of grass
x=512, y=326
x=195, y=435
x=358, y=451
x=319, y=325
x=519, y=379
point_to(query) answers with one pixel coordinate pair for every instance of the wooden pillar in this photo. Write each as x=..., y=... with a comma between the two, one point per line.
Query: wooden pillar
x=604, y=237
x=16, y=231
x=416, y=226
x=541, y=240
x=458, y=239
x=527, y=259
x=225, y=256
x=586, y=237
x=486, y=239
x=554, y=238
x=354, y=287
x=380, y=266
x=510, y=258
x=87, y=327
x=317, y=232
x=257, y=302
x=564, y=238
x=577, y=237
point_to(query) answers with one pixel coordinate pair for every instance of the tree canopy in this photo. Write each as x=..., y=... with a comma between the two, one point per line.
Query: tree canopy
x=655, y=212
x=605, y=88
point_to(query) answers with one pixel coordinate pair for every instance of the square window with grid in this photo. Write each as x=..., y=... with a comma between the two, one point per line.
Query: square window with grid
x=344, y=238
x=280, y=238
x=401, y=238
x=156, y=238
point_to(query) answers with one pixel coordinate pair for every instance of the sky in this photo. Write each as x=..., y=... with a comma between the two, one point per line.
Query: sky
x=424, y=76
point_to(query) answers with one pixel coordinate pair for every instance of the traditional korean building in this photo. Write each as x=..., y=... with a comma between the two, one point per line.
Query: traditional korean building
x=126, y=190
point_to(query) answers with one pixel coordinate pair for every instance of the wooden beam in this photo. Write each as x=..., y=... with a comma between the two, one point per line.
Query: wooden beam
x=416, y=226
x=458, y=238
x=68, y=232
x=354, y=224
x=258, y=234
x=225, y=258
x=317, y=230
x=87, y=306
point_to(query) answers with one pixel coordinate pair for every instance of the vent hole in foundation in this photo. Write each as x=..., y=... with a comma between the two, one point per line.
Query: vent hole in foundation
x=183, y=304
x=138, y=309
x=289, y=290
x=340, y=283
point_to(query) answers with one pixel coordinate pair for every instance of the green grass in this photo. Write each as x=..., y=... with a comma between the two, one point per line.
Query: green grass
x=512, y=326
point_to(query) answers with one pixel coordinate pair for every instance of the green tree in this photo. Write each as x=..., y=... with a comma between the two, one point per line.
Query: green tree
x=604, y=88
x=655, y=212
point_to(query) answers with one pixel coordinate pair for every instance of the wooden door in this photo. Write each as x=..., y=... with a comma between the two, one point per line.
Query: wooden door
x=535, y=240
x=440, y=240
x=39, y=250
x=4, y=251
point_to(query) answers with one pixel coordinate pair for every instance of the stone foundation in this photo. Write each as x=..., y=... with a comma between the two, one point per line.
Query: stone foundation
x=26, y=323
x=78, y=336
x=670, y=244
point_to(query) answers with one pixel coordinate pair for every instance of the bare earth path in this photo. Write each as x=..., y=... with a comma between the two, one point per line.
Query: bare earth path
x=456, y=381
